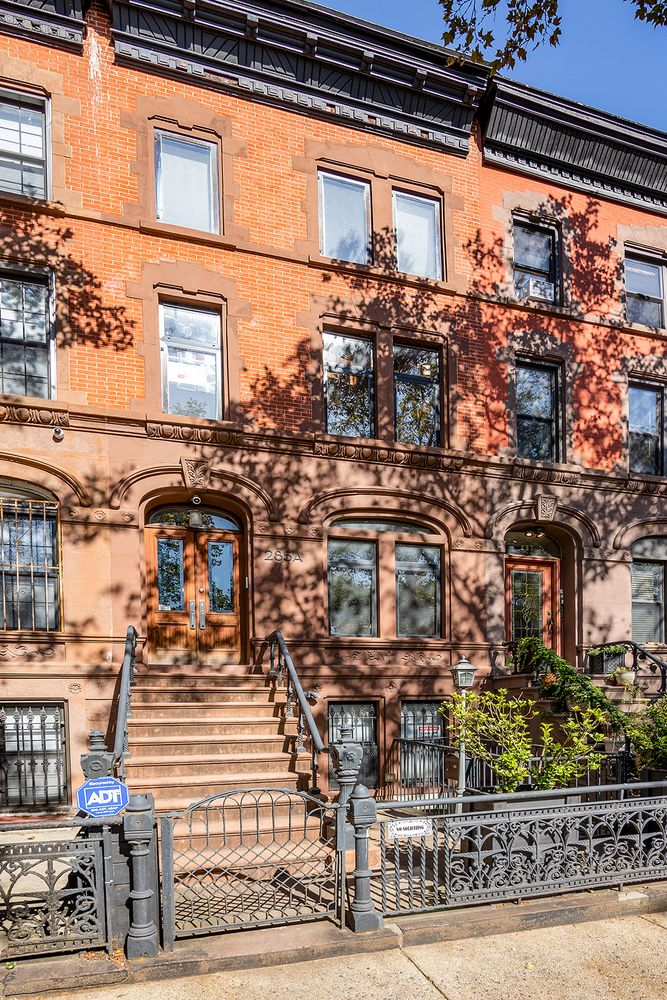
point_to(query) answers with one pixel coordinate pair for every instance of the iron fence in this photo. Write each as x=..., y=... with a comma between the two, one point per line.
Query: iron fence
x=506, y=847
x=33, y=760
x=53, y=895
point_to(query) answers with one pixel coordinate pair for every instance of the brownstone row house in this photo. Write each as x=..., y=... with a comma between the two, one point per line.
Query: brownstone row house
x=302, y=328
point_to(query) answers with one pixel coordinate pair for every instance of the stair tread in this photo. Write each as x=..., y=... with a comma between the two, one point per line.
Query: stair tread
x=217, y=758
x=181, y=719
x=204, y=738
x=243, y=779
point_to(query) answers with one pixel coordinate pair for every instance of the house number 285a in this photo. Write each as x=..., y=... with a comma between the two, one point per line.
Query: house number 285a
x=282, y=555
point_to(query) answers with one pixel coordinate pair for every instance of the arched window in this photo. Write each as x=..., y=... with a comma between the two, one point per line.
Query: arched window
x=649, y=565
x=399, y=559
x=29, y=562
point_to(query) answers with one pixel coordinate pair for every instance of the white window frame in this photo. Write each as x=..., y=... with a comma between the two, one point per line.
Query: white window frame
x=433, y=200
x=214, y=192
x=164, y=356
x=43, y=104
x=321, y=175
x=47, y=278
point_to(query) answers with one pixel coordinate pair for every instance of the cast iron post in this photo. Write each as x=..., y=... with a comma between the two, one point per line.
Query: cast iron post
x=138, y=827
x=98, y=762
x=347, y=761
x=362, y=915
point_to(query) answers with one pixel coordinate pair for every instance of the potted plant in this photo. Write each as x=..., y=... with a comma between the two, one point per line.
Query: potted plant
x=622, y=677
x=607, y=659
x=648, y=737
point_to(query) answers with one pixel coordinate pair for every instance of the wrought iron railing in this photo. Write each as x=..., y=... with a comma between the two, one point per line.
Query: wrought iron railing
x=33, y=758
x=123, y=704
x=283, y=672
x=640, y=654
x=420, y=769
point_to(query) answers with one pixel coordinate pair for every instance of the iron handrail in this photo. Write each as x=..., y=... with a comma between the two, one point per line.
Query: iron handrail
x=123, y=711
x=638, y=653
x=283, y=664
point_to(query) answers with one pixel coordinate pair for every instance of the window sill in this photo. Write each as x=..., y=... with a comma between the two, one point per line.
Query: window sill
x=155, y=228
x=382, y=274
x=26, y=201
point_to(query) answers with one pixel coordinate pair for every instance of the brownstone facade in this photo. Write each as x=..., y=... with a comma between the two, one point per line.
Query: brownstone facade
x=101, y=448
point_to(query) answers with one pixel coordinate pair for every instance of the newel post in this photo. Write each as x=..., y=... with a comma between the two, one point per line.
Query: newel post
x=139, y=830
x=98, y=761
x=362, y=915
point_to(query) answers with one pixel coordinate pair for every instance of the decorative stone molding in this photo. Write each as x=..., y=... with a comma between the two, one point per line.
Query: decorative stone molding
x=196, y=473
x=194, y=435
x=22, y=652
x=388, y=456
x=388, y=657
x=20, y=414
x=532, y=474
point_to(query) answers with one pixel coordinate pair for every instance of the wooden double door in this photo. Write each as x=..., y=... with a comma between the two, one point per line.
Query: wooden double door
x=194, y=595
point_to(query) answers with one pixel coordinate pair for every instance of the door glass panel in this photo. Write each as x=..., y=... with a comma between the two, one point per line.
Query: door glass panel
x=527, y=603
x=221, y=576
x=171, y=593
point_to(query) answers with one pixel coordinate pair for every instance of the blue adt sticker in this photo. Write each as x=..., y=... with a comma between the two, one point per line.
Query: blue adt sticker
x=102, y=797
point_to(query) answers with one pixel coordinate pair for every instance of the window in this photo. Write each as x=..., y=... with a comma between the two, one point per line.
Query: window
x=649, y=564
x=186, y=179
x=400, y=559
x=537, y=412
x=361, y=718
x=352, y=587
x=644, y=292
x=29, y=565
x=33, y=745
x=344, y=218
x=422, y=720
x=534, y=261
x=191, y=362
x=646, y=422
x=417, y=227
x=25, y=338
x=349, y=386
x=23, y=149
x=416, y=396
x=418, y=587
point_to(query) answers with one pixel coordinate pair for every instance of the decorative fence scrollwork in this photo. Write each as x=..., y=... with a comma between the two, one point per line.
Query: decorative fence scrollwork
x=52, y=896
x=515, y=850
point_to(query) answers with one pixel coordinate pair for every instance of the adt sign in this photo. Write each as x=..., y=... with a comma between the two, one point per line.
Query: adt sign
x=102, y=797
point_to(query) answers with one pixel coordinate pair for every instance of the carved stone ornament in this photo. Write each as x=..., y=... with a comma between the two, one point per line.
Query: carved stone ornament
x=532, y=475
x=196, y=473
x=194, y=435
x=13, y=413
x=388, y=456
x=545, y=508
x=25, y=652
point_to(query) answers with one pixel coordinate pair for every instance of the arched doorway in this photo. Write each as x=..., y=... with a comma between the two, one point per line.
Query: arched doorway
x=195, y=606
x=533, y=586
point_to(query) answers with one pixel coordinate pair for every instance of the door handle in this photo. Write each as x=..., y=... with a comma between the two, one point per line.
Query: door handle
x=550, y=623
x=202, y=615
x=193, y=615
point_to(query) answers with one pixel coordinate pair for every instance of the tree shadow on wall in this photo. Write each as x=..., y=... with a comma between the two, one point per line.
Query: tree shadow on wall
x=85, y=313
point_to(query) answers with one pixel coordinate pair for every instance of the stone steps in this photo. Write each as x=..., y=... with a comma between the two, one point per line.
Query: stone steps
x=195, y=744
x=151, y=694
x=179, y=791
x=162, y=710
x=219, y=764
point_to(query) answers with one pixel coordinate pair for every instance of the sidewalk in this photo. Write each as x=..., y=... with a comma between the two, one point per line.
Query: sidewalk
x=620, y=959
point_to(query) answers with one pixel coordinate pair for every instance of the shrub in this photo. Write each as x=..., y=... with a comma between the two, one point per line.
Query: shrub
x=648, y=734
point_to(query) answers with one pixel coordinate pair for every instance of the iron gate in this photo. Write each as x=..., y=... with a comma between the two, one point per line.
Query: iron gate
x=250, y=858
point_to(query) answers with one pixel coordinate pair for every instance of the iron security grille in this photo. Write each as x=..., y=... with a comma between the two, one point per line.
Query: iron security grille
x=421, y=720
x=29, y=565
x=33, y=765
x=361, y=718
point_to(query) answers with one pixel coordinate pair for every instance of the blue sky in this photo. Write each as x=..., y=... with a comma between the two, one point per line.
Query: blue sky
x=605, y=58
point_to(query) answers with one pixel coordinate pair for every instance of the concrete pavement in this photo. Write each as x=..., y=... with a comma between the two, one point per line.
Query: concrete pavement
x=620, y=959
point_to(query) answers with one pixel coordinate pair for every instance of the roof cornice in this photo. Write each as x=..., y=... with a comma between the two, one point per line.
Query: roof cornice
x=55, y=22
x=538, y=133
x=310, y=59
